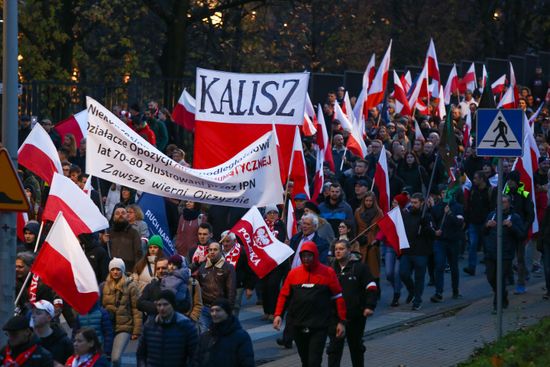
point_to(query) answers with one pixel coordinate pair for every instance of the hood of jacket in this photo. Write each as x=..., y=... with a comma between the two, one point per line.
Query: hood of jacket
x=310, y=246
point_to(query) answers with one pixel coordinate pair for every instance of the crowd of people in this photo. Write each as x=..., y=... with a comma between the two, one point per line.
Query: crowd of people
x=183, y=308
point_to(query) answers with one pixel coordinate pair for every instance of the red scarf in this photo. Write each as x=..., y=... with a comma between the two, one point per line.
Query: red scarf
x=232, y=256
x=33, y=288
x=271, y=225
x=89, y=363
x=199, y=252
x=21, y=359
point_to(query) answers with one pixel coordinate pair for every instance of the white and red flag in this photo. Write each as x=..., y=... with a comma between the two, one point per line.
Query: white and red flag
x=467, y=130
x=368, y=75
x=234, y=109
x=378, y=86
x=355, y=143
x=433, y=68
x=498, y=86
x=401, y=103
x=265, y=252
x=319, y=179
x=508, y=100
x=484, y=78
x=393, y=228
x=382, y=181
x=514, y=85
x=39, y=155
x=309, y=127
x=417, y=132
x=72, y=276
x=452, y=85
x=291, y=225
x=22, y=219
x=298, y=170
x=323, y=140
x=406, y=81
x=184, y=111
x=77, y=125
x=88, y=186
x=78, y=209
x=420, y=92
x=469, y=79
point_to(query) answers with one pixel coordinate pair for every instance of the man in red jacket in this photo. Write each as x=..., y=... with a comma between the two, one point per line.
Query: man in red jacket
x=309, y=290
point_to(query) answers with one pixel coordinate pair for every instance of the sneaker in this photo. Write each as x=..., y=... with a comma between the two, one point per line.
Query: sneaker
x=520, y=289
x=395, y=300
x=417, y=307
x=457, y=295
x=437, y=298
x=469, y=271
x=409, y=298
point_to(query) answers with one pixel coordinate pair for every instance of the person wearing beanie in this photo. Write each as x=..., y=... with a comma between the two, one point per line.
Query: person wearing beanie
x=30, y=235
x=145, y=271
x=119, y=297
x=22, y=346
x=169, y=338
x=225, y=343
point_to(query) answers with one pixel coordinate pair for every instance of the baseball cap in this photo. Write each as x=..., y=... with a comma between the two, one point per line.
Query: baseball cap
x=45, y=306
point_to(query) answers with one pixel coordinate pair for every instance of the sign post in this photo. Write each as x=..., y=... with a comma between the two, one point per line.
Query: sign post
x=499, y=134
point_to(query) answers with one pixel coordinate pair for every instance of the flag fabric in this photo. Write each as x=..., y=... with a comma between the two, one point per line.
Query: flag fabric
x=77, y=125
x=406, y=81
x=378, y=86
x=184, y=111
x=355, y=142
x=265, y=252
x=433, y=69
x=469, y=79
x=420, y=91
x=298, y=170
x=417, y=132
x=451, y=86
x=339, y=115
x=466, y=188
x=309, y=127
x=291, y=225
x=39, y=155
x=401, y=103
x=514, y=86
x=72, y=276
x=484, y=78
x=22, y=219
x=369, y=73
x=508, y=100
x=319, y=179
x=441, y=111
x=467, y=130
x=382, y=181
x=88, y=186
x=154, y=215
x=322, y=139
x=78, y=209
x=498, y=86
x=393, y=228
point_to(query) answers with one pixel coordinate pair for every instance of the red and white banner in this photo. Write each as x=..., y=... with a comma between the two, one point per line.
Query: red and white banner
x=265, y=252
x=393, y=228
x=382, y=181
x=72, y=277
x=79, y=210
x=39, y=155
x=233, y=110
x=118, y=154
x=77, y=125
x=184, y=111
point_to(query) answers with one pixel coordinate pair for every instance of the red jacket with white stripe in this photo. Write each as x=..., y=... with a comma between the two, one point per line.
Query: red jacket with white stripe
x=310, y=292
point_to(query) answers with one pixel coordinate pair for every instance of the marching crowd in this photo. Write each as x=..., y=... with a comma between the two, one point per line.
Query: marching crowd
x=183, y=309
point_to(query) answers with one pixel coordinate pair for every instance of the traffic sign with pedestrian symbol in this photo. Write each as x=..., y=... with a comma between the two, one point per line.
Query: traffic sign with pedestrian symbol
x=499, y=133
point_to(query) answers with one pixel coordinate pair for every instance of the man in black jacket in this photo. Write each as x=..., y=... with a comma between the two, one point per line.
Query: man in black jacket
x=23, y=348
x=420, y=233
x=96, y=254
x=359, y=290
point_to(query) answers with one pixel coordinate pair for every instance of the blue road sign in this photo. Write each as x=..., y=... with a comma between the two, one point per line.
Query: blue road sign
x=499, y=133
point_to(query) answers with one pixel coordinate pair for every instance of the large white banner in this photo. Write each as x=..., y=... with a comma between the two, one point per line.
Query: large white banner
x=118, y=154
x=250, y=98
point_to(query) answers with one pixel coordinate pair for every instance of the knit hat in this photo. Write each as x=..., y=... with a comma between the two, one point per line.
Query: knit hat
x=167, y=295
x=402, y=199
x=271, y=208
x=312, y=206
x=32, y=226
x=117, y=263
x=156, y=240
x=224, y=304
x=176, y=260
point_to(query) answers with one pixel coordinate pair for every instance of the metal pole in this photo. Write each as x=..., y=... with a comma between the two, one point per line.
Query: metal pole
x=9, y=140
x=499, y=250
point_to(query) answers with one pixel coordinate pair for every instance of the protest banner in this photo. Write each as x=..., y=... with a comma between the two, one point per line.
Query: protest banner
x=154, y=215
x=118, y=154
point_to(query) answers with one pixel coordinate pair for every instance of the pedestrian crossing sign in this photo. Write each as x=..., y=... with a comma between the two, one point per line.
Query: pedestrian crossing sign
x=499, y=133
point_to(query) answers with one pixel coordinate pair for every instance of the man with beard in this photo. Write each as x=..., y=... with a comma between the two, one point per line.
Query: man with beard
x=334, y=209
x=125, y=240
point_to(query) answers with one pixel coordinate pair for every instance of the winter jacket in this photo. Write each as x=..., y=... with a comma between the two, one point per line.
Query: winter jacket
x=126, y=245
x=167, y=344
x=511, y=236
x=217, y=281
x=177, y=282
x=40, y=358
x=146, y=302
x=480, y=204
x=359, y=288
x=101, y=362
x=522, y=204
x=450, y=224
x=334, y=214
x=120, y=300
x=309, y=292
x=225, y=344
x=58, y=344
x=98, y=258
x=195, y=292
x=421, y=243
x=99, y=320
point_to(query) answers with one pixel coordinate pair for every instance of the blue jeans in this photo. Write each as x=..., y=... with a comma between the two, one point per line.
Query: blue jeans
x=205, y=320
x=475, y=237
x=418, y=264
x=446, y=251
x=392, y=269
x=119, y=345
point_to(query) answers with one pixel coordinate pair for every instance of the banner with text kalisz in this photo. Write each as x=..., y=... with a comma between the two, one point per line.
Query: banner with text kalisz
x=118, y=154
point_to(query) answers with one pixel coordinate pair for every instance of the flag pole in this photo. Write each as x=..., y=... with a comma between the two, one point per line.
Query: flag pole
x=100, y=195
x=372, y=185
x=343, y=158
x=38, y=237
x=365, y=230
x=425, y=206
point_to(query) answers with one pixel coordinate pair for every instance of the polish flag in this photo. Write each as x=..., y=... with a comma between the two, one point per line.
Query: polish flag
x=514, y=86
x=378, y=86
x=467, y=130
x=420, y=91
x=368, y=75
x=355, y=142
x=88, y=186
x=184, y=111
x=319, y=179
x=441, y=111
x=466, y=188
x=341, y=116
x=406, y=81
x=309, y=127
x=39, y=155
x=382, y=181
x=498, y=86
x=507, y=101
x=401, y=104
x=298, y=171
x=417, y=132
x=393, y=228
x=72, y=277
x=22, y=220
x=451, y=86
x=346, y=108
x=76, y=124
x=484, y=78
x=433, y=68
x=291, y=225
x=469, y=79
x=265, y=252
x=77, y=207
x=527, y=165
x=322, y=139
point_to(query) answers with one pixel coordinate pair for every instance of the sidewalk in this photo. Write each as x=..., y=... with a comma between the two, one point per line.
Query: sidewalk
x=447, y=341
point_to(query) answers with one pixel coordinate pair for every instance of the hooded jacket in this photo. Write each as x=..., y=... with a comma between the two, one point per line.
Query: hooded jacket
x=309, y=291
x=58, y=344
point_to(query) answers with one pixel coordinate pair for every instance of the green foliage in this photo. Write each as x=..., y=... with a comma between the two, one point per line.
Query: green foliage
x=522, y=348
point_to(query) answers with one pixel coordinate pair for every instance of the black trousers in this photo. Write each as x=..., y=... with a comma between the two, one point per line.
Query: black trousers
x=271, y=284
x=355, y=329
x=310, y=344
x=491, y=270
